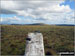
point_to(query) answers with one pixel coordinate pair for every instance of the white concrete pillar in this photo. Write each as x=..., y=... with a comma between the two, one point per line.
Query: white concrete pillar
x=34, y=45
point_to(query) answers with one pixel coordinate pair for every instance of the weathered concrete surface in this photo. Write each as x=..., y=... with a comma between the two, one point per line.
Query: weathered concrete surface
x=34, y=45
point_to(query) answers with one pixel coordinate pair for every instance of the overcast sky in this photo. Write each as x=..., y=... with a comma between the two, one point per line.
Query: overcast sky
x=37, y=11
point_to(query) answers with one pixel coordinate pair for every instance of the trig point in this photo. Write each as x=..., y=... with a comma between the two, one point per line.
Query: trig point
x=34, y=44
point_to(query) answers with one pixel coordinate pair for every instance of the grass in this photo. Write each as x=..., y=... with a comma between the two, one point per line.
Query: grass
x=56, y=38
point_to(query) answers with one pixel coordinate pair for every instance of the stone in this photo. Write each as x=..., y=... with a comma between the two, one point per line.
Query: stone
x=34, y=45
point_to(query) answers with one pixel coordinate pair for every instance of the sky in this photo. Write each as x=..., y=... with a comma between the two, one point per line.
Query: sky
x=37, y=11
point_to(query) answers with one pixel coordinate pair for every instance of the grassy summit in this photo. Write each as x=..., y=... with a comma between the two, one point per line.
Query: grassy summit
x=56, y=38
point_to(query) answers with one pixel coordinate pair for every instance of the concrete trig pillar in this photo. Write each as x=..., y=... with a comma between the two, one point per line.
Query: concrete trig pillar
x=34, y=44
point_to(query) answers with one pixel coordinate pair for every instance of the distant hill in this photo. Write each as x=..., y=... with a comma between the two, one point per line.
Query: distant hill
x=65, y=25
x=42, y=24
x=37, y=24
x=31, y=24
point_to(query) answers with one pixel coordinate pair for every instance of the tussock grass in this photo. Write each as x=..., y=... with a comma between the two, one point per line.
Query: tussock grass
x=56, y=38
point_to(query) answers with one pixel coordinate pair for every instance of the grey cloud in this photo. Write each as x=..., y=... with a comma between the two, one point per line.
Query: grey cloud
x=5, y=11
x=24, y=4
x=27, y=4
